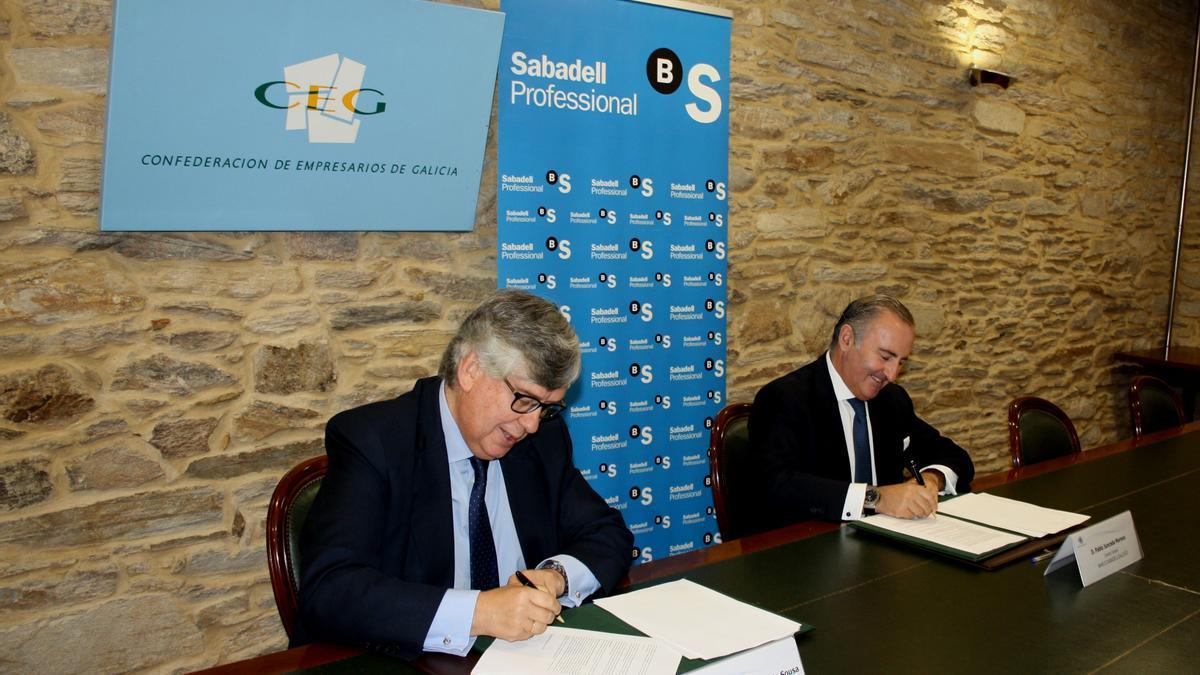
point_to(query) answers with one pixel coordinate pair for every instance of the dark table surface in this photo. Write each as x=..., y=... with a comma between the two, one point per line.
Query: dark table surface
x=878, y=605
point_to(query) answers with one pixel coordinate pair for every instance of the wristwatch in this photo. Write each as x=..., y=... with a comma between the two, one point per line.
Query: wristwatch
x=872, y=498
x=557, y=567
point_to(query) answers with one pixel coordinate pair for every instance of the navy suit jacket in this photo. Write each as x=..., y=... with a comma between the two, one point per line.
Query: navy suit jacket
x=796, y=429
x=377, y=548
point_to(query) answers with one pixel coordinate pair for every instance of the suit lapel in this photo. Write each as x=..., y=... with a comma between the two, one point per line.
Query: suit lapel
x=525, y=498
x=839, y=461
x=433, y=528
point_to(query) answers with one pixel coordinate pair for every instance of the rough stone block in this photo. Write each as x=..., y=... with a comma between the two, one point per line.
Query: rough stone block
x=278, y=458
x=69, y=290
x=49, y=394
x=263, y=418
x=24, y=482
x=109, y=468
x=349, y=318
x=995, y=116
x=120, y=635
x=322, y=245
x=69, y=125
x=183, y=438
x=56, y=18
x=79, y=68
x=278, y=323
x=287, y=370
x=452, y=285
x=11, y=208
x=17, y=156
x=74, y=587
x=132, y=517
x=171, y=376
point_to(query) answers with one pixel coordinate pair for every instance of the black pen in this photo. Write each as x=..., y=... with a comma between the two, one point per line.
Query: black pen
x=912, y=464
x=526, y=582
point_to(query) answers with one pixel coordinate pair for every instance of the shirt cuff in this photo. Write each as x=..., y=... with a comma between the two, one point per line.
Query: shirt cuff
x=580, y=579
x=450, y=631
x=951, y=478
x=855, y=496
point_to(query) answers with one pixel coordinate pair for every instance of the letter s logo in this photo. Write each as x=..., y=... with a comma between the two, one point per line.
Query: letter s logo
x=647, y=311
x=647, y=554
x=564, y=183
x=564, y=249
x=647, y=436
x=647, y=187
x=565, y=310
x=647, y=250
x=705, y=93
x=719, y=368
x=647, y=495
x=647, y=374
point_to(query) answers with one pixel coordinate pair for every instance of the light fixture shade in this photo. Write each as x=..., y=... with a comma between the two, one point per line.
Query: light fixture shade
x=977, y=76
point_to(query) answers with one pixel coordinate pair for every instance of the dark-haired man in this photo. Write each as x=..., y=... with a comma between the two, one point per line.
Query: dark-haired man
x=434, y=501
x=833, y=435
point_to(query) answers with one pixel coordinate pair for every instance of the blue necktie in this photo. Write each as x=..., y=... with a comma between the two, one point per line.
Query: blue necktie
x=484, y=576
x=862, y=443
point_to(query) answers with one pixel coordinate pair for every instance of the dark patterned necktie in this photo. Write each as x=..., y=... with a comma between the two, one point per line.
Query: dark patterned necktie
x=484, y=576
x=862, y=443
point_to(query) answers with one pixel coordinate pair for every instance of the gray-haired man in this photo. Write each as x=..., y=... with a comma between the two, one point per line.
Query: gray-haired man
x=436, y=500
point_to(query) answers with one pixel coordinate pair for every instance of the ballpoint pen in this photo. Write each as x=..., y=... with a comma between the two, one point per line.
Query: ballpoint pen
x=526, y=582
x=911, y=462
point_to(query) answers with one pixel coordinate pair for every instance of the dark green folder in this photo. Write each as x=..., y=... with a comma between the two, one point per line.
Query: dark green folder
x=591, y=617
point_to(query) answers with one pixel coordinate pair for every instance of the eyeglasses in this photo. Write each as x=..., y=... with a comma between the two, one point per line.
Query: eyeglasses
x=524, y=403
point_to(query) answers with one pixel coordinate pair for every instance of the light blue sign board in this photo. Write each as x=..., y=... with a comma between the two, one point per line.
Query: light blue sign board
x=613, y=203
x=297, y=115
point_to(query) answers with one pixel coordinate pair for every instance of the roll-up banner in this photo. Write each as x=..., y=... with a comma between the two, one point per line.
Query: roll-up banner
x=613, y=186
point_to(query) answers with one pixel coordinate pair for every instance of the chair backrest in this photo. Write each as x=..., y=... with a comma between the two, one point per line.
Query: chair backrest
x=285, y=518
x=1153, y=405
x=737, y=495
x=1039, y=430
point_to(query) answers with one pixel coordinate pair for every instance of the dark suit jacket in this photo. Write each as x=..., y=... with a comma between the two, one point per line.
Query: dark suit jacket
x=377, y=548
x=796, y=428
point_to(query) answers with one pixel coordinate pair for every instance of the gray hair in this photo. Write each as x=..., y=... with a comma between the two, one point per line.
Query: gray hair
x=861, y=312
x=516, y=333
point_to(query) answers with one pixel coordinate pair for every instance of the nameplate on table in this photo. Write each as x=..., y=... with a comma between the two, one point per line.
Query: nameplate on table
x=1100, y=550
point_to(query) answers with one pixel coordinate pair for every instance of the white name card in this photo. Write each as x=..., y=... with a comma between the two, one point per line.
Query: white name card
x=1100, y=550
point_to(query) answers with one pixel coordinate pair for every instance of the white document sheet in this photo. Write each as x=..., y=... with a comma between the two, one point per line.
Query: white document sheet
x=949, y=532
x=780, y=656
x=1010, y=514
x=700, y=622
x=569, y=651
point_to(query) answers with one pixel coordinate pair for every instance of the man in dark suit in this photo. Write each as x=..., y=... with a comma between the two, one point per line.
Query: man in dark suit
x=434, y=500
x=834, y=436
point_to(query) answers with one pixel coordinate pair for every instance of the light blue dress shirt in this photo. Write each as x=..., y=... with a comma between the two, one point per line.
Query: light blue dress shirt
x=451, y=628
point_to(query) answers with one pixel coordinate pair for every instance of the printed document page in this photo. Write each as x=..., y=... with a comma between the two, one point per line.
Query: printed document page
x=948, y=532
x=698, y=621
x=1010, y=514
x=569, y=651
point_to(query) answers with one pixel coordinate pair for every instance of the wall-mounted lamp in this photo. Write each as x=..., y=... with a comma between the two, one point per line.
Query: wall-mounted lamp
x=977, y=76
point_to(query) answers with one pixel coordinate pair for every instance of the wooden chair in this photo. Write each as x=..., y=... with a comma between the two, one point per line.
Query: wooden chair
x=736, y=495
x=1039, y=430
x=1153, y=405
x=285, y=518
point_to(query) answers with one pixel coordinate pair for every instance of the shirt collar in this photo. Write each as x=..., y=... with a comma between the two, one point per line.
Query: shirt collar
x=840, y=391
x=456, y=445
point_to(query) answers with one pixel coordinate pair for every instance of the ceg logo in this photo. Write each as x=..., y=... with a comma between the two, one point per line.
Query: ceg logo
x=323, y=96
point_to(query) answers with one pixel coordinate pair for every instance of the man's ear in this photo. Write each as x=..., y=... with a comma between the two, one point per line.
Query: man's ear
x=470, y=370
x=846, y=336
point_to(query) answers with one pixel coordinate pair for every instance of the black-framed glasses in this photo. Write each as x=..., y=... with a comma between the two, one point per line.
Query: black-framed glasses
x=524, y=403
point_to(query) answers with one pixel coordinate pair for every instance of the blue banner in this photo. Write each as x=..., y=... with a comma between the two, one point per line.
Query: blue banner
x=297, y=115
x=613, y=175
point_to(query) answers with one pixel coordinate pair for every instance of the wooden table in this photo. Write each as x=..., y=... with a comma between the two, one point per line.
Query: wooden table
x=880, y=606
x=1181, y=367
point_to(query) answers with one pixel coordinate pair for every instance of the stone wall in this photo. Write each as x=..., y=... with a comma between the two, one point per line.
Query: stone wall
x=154, y=387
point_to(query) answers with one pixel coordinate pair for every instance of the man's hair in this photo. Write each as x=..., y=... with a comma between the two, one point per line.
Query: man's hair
x=516, y=333
x=861, y=312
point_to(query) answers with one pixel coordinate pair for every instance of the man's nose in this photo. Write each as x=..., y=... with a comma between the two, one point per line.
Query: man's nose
x=892, y=370
x=529, y=421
